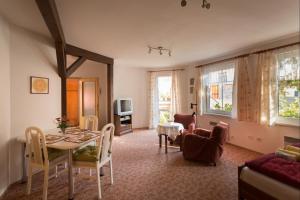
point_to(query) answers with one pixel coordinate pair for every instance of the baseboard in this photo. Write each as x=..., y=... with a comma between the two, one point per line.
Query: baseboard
x=140, y=129
x=244, y=148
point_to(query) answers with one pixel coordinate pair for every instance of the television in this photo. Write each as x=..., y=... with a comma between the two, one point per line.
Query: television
x=123, y=106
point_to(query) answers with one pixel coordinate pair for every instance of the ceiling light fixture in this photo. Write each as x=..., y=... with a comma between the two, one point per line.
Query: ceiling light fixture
x=205, y=4
x=160, y=50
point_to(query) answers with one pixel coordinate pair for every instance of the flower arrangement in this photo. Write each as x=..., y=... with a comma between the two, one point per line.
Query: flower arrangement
x=62, y=123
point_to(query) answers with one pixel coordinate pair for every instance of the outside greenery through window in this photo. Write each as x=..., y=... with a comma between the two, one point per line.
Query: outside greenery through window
x=289, y=86
x=219, y=89
x=164, y=95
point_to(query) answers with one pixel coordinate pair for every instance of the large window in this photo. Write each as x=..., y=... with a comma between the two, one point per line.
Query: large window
x=218, y=86
x=288, y=87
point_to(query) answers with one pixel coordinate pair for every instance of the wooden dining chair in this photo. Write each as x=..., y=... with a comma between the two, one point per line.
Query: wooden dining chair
x=91, y=122
x=95, y=157
x=40, y=157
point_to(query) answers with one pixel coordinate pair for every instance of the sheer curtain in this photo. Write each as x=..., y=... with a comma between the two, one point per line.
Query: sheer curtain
x=245, y=93
x=266, y=89
x=199, y=91
x=153, y=100
x=175, y=94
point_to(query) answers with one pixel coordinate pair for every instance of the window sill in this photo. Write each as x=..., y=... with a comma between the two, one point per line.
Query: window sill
x=287, y=124
x=218, y=115
x=281, y=121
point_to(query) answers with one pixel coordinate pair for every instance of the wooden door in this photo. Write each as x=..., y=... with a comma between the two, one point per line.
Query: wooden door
x=73, y=101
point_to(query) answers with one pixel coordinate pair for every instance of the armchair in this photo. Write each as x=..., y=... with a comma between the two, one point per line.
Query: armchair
x=205, y=145
x=189, y=124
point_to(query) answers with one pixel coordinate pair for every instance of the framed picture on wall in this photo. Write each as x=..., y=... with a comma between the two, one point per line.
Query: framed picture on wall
x=192, y=81
x=39, y=85
x=191, y=90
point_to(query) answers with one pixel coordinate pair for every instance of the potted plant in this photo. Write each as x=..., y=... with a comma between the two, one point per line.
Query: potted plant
x=62, y=123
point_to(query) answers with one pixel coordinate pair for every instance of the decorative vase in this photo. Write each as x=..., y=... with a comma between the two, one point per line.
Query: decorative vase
x=63, y=130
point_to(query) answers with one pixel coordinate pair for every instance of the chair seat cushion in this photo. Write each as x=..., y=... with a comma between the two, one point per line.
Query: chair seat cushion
x=54, y=153
x=88, y=154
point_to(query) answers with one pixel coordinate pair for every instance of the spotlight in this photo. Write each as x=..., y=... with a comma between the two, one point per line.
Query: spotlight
x=183, y=3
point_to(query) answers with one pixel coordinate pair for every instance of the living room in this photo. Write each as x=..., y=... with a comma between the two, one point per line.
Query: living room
x=210, y=61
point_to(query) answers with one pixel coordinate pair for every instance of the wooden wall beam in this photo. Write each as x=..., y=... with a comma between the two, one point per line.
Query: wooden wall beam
x=79, y=52
x=75, y=66
x=110, y=98
x=49, y=12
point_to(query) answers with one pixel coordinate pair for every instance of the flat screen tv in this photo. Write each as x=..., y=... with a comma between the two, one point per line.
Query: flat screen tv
x=123, y=106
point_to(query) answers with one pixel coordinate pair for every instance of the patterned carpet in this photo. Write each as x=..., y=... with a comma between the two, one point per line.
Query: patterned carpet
x=142, y=171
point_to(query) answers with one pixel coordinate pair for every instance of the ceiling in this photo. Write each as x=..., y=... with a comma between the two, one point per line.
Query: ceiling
x=123, y=29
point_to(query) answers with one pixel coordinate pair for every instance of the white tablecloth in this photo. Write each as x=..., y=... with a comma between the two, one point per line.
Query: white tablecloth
x=172, y=129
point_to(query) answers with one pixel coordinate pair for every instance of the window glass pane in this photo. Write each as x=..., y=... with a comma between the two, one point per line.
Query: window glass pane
x=164, y=94
x=219, y=89
x=289, y=85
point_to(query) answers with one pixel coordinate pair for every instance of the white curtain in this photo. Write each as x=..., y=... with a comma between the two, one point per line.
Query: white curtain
x=199, y=91
x=154, y=101
x=266, y=90
x=175, y=94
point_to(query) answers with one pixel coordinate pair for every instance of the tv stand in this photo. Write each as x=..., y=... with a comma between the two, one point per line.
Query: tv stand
x=123, y=124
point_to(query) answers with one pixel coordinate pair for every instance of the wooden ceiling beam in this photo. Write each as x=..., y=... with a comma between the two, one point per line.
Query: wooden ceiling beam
x=79, y=52
x=75, y=66
x=49, y=12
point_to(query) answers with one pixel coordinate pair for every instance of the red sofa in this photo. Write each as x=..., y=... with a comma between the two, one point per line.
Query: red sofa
x=205, y=145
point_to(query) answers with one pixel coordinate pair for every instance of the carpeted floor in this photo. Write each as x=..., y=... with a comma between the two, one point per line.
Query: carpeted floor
x=142, y=171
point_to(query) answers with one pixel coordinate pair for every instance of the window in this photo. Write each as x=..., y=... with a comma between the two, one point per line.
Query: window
x=164, y=96
x=218, y=87
x=289, y=87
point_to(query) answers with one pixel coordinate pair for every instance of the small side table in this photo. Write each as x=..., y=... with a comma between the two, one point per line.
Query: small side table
x=168, y=130
x=166, y=141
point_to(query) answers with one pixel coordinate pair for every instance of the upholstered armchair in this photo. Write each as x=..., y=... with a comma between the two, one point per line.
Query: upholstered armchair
x=189, y=124
x=205, y=145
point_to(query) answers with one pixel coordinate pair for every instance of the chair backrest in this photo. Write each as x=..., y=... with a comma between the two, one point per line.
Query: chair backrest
x=36, y=146
x=218, y=134
x=226, y=127
x=91, y=122
x=185, y=120
x=105, y=142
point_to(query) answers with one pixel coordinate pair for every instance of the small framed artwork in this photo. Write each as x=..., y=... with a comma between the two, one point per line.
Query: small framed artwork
x=191, y=90
x=39, y=85
x=192, y=81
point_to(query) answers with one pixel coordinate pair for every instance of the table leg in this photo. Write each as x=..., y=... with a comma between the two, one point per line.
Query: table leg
x=160, y=137
x=166, y=143
x=71, y=181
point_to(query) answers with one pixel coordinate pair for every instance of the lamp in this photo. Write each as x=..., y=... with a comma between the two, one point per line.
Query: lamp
x=205, y=4
x=160, y=50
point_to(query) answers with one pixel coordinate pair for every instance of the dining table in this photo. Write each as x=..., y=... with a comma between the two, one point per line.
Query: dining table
x=73, y=139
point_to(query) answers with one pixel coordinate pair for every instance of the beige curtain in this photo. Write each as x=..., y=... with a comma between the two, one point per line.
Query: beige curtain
x=245, y=93
x=199, y=91
x=153, y=101
x=175, y=94
x=266, y=88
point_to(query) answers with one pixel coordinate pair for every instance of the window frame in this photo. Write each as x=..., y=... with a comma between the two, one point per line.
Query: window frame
x=206, y=97
x=280, y=120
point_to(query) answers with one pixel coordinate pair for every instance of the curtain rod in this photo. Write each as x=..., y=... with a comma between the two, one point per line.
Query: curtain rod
x=248, y=54
x=167, y=70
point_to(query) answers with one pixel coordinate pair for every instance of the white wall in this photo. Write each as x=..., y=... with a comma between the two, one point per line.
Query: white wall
x=253, y=136
x=91, y=69
x=133, y=82
x=31, y=55
x=4, y=104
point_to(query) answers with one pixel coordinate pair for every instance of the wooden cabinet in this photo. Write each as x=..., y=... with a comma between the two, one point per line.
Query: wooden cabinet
x=123, y=124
